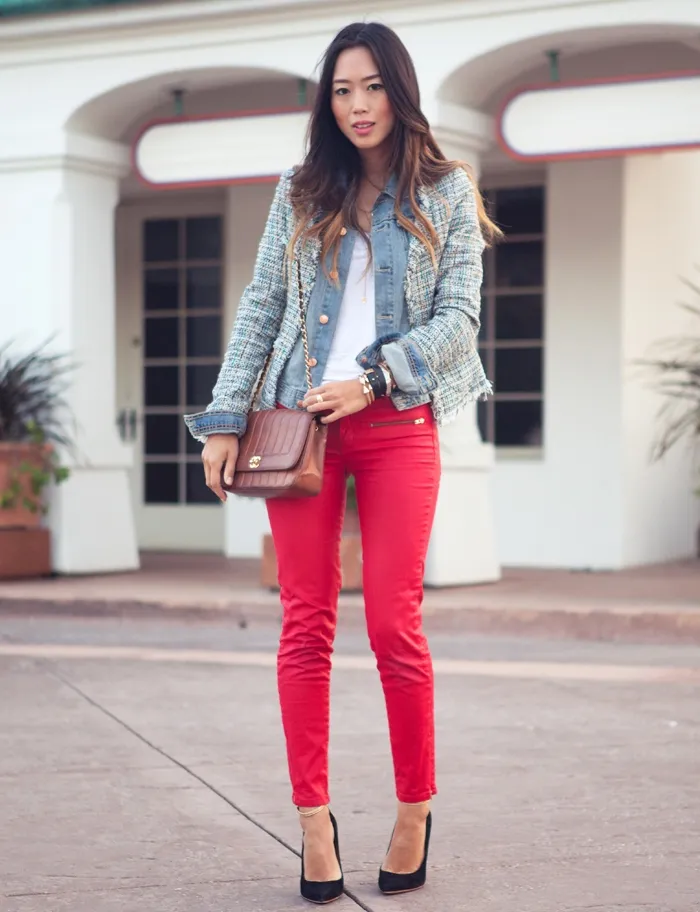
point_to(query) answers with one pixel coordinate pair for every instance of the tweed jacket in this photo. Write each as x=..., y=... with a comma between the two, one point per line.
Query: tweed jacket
x=442, y=304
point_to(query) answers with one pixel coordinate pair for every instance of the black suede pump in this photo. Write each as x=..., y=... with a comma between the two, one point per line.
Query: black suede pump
x=390, y=883
x=323, y=891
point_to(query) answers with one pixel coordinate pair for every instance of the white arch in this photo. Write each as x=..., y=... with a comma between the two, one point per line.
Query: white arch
x=480, y=77
x=109, y=113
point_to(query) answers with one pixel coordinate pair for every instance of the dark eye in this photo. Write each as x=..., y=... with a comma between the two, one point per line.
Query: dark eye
x=341, y=91
x=375, y=86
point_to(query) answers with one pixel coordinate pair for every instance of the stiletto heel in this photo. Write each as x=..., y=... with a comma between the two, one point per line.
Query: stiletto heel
x=323, y=891
x=390, y=883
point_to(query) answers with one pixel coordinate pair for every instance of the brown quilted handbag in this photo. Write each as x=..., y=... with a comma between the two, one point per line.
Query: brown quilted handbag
x=282, y=451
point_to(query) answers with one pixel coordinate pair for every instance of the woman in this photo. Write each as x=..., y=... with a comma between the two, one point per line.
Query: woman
x=388, y=237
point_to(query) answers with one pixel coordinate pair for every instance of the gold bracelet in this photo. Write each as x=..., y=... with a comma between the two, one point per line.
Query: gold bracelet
x=366, y=387
x=312, y=812
x=389, y=379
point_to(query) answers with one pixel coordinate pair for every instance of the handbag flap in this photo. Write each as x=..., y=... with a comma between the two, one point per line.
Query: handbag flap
x=274, y=441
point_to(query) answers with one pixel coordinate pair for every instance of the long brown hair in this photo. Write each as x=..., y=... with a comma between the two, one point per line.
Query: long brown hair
x=328, y=181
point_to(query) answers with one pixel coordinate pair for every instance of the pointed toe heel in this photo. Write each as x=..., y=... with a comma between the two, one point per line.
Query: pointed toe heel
x=390, y=883
x=321, y=892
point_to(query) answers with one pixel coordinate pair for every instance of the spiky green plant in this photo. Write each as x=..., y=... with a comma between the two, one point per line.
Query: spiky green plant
x=675, y=373
x=33, y=409
x=32, y=396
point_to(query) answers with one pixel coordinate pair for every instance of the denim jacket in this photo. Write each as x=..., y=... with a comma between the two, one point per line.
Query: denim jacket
x=427, y=317
x=389, y=255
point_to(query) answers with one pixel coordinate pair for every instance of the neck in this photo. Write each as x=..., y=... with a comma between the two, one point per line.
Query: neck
x=375, y=166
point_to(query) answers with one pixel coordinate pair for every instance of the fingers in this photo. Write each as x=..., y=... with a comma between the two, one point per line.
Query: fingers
x=334, y=416
x=215, y=483
x=328, y=405
x=212, y=474
x=230, y=468
x=320, y=402
x=319, y=391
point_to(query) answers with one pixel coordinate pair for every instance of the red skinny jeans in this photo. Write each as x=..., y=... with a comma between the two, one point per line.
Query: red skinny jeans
x=395, y=459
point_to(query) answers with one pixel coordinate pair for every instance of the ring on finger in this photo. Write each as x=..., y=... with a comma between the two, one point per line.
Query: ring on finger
x=319, y=398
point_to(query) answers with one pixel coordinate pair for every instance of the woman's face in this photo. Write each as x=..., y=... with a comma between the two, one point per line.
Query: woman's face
x=359, y=100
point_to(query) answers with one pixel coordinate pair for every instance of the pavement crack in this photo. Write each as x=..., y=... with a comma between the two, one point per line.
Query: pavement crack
x=186, y=769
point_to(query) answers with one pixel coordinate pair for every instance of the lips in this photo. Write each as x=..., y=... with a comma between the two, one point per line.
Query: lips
x=363, y=127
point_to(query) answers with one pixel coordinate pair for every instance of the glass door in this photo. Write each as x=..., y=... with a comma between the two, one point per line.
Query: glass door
x=182, y=302
x=175, y=278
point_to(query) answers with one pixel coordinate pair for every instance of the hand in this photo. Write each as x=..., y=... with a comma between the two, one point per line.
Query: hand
x=340, y=399
x=220, y=452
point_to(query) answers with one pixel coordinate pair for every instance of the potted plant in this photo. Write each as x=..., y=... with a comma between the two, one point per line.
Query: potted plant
x=32, y=415
x=350, y=549
x=676, y=372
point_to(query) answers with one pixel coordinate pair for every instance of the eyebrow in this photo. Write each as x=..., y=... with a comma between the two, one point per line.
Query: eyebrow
x=364, y=78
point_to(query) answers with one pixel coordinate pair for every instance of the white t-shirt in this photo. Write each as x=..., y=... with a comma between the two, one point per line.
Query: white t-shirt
x=357, y=325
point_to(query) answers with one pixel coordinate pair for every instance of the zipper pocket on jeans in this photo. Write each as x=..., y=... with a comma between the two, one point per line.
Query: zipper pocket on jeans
x=403, y=421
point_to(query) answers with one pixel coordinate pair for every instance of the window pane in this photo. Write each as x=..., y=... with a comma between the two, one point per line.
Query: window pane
x=160, y=241
x=197, y=490
x=519, y=264
x=162, y=434
x=487, y=355
x=192, y=446
x=518, y=423
x=519, y=317
x=518, y=370
x=161, y=386
x=482, y=418
x=162, y=338
x=203, y=238
x=488, y=261
x=161, y=482
x=203, y=287
x=484, y=317
x=203, y=337
x=160, y=289
x=200, y=382
x=520, y=210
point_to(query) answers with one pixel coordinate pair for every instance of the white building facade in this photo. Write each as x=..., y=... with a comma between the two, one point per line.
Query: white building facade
x=141, y=285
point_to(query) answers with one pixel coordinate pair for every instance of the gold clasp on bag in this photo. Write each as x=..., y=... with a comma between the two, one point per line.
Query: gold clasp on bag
x=254, y=462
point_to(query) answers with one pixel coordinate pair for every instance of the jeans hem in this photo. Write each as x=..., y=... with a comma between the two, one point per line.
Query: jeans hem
x=416, y=797
x=312, y=802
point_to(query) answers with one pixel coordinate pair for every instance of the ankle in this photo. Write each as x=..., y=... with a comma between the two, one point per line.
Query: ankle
x=312, y=818
x=413, y=811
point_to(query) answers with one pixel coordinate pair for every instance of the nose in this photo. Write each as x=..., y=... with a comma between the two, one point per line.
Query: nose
x=359, y=102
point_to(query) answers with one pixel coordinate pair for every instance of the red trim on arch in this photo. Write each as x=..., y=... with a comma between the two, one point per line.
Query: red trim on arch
x=583, y=83
x=194, y=118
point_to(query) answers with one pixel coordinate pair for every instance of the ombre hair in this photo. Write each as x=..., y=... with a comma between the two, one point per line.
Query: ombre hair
x=328, y=181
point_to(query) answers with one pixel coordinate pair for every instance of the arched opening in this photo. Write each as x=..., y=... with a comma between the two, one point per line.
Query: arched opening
x=579, y=290
x=182, y=258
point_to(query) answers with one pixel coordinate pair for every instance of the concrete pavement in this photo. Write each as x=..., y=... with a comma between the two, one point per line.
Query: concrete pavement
x=142, y=767
x=655, y=603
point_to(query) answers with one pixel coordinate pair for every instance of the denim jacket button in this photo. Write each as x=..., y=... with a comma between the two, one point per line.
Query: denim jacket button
x=323, y=318
x=312, y=362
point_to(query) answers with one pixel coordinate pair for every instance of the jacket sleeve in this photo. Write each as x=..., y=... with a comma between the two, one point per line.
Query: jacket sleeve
x=254, y=331
x=418, y=358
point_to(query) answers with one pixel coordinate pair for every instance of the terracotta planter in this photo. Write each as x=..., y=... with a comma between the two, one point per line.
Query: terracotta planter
x=24, y=553
x=350, y=557
x=12, y=455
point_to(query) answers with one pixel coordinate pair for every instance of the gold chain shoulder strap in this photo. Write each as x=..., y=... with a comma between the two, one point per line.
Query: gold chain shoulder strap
x=305, y=339
x=304, y=330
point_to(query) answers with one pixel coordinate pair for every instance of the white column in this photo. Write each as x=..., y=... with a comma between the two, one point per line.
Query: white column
x=247, y=206
x=57, y=263
x=660, y=231
x=463, y=544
